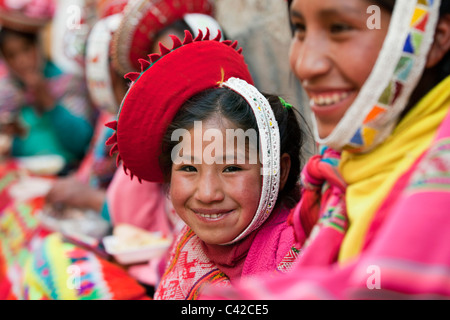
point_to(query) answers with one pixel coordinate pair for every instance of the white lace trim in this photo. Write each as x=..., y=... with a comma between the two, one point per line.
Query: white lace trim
x=269, y=149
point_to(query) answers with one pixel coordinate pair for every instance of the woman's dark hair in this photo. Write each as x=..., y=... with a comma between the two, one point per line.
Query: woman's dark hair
x=233, y=107
x=431, y=76
x=5, y=33
x=443, y=66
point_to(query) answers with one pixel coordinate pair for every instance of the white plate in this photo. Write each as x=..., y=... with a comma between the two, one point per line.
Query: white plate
x=43, y=165
x=30, y=187
x=136, y=254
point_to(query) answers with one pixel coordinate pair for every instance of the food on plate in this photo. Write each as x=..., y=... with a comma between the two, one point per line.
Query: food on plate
x=130, y=237
x=43, y=164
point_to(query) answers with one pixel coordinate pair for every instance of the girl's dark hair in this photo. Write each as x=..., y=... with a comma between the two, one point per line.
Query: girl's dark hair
x=233, y=107
x=5, y=33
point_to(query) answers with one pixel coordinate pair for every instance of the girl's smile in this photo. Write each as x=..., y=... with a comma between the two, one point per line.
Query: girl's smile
x=212, y=215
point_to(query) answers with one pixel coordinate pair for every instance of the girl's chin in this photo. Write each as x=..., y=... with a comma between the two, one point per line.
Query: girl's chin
x=214, y=240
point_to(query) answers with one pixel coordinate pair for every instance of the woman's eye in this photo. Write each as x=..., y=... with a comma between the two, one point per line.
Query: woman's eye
x=299, y=29
x=231, y=169
x=340, y=27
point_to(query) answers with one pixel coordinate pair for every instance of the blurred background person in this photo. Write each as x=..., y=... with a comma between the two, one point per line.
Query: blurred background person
x=52, y=114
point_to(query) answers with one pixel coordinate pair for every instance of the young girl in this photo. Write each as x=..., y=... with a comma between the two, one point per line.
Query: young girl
x=235, y=198
x=373, y=224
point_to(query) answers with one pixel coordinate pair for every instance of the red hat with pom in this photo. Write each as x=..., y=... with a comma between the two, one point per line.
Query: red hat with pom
x=143, y=19
x=165, y=82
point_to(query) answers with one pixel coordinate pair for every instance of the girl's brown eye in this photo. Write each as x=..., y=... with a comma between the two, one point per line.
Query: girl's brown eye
x=187, y=168
x=231, y=169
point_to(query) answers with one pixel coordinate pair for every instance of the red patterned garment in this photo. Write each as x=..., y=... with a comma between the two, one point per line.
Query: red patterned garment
x=37, y=264
x=189, y=270
x=193, y=265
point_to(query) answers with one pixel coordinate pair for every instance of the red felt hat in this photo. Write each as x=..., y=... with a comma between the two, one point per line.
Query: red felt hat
x=143, y=19
x=158, y=92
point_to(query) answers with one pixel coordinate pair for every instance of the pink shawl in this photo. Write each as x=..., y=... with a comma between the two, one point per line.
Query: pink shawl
x=140, y=204
x=261, y=251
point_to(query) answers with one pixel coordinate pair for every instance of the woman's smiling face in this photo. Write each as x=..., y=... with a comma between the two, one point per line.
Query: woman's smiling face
x=216, y=199
x=333, y=52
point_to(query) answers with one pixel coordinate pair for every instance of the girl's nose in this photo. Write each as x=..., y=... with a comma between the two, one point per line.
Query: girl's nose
x=209, y=187
x=309, y=58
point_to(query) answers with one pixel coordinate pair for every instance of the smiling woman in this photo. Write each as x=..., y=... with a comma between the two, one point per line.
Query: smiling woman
x=326, y=36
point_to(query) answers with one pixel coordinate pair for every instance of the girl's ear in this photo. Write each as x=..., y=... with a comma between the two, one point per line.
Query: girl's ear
x=441, y=43
x=285, y=167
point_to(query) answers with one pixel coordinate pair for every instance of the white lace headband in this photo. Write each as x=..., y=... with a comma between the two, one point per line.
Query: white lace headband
x=269, y=137
x=400, y=64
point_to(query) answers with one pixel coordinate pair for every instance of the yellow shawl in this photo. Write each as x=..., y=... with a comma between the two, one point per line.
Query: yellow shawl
x=371, y=176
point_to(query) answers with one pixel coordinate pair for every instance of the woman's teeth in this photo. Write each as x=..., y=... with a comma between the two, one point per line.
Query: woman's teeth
x=328, y=99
